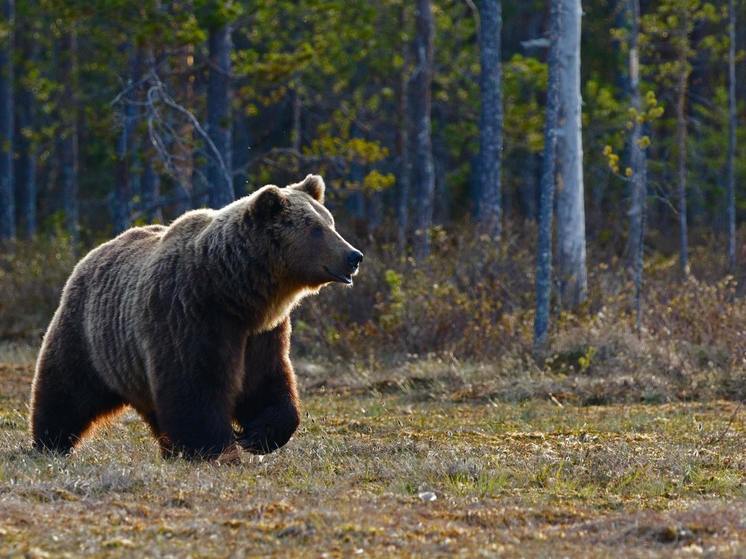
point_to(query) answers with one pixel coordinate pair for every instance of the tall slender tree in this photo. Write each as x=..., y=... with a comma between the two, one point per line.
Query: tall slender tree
x=26, y=147
x=546, y=192
x=683, y=70
x=404, y=171
x=570, y=192
x=420, y=103
x=150, y=182
x=68, y=140
x=491, y=117
x=7, y=194
x=731, y=136
x=638, y=159
x=220, y=181
x=125, y=145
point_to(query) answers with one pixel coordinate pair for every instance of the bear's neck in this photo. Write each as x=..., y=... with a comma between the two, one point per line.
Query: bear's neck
x=247, y=282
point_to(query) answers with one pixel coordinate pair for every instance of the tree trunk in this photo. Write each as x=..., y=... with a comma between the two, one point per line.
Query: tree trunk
x=570, y=197
x=491, y=117
x=150, y=181
x=150, y=189
x=296, y=132
x=68, y=144
x=402, y=144
x=546, y=188
x=681, y=133
x=420, y=100
x=25, y=168
x=220, y=182
x=639, y=165
x=7, y=194
x=731, y=137
x=125, y=148
x=241, y=137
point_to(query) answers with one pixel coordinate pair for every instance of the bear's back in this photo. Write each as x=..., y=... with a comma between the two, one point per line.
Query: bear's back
x=106, y=284
x=120, y=277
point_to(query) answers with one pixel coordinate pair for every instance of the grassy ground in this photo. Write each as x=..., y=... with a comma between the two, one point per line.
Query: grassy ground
x=392, y=467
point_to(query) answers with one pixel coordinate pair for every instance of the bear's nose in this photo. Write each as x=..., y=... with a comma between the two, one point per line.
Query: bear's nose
x=354, y=258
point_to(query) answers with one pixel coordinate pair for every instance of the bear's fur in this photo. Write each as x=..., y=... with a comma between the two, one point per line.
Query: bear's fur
x=189, y=324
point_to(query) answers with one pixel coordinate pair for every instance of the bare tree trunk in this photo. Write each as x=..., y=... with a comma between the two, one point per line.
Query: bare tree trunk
x=25, y=165
x=405, y=167
x=150, y=181
x=150, y=188
x=125, y=147
x=296, y=133
x=68, y=145
x=731, y=137
x=424, y=172
x=570, y=196
x=639, y=165
x=7, y=187
x=220, y=182
x=184, y=154
x=546, y=189
x=491, y=117
x=681, y=133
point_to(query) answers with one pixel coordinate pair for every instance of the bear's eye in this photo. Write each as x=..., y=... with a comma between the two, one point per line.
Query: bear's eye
x=317, y=231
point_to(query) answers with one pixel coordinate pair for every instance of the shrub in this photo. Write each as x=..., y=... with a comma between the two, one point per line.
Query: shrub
x=32, y=275
x=472, y=301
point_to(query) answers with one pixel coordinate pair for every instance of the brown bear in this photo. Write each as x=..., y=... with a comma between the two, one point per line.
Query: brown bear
x=189, y=324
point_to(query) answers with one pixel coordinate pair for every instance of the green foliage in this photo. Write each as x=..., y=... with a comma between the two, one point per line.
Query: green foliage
x=524, y=79
x=651, y=112
x=31, y=280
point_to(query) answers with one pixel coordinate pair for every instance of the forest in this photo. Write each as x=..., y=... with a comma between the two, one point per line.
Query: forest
x=544, y=351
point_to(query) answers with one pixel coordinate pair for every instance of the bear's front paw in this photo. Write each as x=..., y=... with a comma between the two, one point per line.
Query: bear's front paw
x=261, y=439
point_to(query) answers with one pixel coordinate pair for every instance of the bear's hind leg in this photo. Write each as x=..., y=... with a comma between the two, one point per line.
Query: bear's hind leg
x=65, y=403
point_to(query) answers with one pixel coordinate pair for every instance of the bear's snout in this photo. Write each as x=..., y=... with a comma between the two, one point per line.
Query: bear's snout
x=354, y=259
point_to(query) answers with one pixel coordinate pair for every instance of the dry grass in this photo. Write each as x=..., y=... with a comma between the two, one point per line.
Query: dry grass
x=516, y=478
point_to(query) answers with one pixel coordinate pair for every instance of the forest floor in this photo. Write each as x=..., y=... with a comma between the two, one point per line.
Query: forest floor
x=391, y=470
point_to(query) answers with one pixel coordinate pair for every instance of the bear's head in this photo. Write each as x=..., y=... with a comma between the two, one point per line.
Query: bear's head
x=301, y=235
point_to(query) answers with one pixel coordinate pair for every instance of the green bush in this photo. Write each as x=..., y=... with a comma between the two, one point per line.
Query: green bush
x=32, y=275
x=472, y=301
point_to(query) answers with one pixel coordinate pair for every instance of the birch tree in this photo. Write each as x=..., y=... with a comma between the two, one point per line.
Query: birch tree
x=638, y=161
x=491, y=117
x=423, y=166
x=570, y=197
x=546, y=193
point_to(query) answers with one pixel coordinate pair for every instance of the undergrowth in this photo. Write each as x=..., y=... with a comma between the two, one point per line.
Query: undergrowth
x=472, y=303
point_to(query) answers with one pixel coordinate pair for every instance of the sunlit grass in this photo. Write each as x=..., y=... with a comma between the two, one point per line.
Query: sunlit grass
x=392, y=473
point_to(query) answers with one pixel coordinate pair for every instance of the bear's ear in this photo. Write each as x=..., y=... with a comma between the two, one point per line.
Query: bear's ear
x=269, y=202
x=313, y=185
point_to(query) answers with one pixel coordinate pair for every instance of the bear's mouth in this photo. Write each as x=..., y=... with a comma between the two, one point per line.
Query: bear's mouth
x=346, y=279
